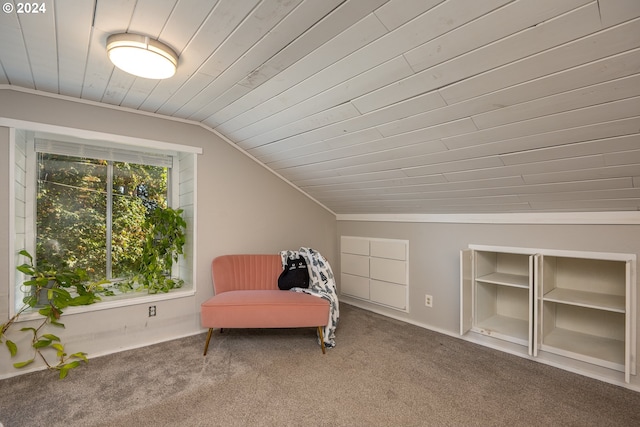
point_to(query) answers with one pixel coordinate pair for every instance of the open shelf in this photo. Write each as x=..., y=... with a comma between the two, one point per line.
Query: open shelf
x=573, y=306
x=595, y=300
x=504, y=327
x=505, y=279
x=503, y=312
x=589, y=348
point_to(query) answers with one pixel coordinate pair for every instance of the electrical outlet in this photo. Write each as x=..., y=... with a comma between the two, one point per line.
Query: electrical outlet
x=428, y=300
x=152, y=310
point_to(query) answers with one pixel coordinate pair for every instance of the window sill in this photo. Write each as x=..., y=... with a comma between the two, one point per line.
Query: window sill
x=121, y=300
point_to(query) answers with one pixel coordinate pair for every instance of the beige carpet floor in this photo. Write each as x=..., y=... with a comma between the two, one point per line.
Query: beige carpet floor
x=382, y=373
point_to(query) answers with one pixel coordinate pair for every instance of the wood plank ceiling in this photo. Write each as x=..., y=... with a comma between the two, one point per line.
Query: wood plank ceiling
x=378, y=106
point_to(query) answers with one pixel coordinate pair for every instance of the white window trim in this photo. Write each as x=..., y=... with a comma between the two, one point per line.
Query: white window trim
x=133, y=142
x=13, y=256
x=98, y=136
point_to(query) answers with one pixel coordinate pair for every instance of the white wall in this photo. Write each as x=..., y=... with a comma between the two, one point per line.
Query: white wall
x=241, y=208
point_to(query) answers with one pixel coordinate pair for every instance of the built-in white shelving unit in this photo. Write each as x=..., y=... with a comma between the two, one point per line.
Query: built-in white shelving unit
x=573, y=304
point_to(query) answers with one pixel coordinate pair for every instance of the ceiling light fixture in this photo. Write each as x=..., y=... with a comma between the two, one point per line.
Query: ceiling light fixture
x=142, y=56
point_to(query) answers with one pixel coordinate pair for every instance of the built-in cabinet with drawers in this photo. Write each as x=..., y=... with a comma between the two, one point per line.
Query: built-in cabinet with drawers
x=375, y=270
x=573, y=304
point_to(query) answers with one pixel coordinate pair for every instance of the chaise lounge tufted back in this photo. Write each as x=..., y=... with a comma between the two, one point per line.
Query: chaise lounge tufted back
x=245, y=272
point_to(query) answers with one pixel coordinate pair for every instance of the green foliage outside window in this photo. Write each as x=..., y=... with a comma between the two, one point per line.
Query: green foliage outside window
x=72, y=213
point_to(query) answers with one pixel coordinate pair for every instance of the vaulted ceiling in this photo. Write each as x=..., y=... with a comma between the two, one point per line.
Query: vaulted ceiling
x=377, y=106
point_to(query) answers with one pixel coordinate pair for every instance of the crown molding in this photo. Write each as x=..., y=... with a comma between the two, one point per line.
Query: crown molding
x=608, y=218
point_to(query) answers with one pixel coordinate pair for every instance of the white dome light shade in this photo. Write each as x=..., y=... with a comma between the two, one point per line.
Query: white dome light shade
x=141, y=56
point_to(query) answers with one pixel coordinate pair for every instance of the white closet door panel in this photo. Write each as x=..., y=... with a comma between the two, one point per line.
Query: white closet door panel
x=389, y=270
x=354, y=245
x=389, y=294
x=630, y=322
x=389, y=249
x=355, y=286
x=466, y=290
x=537, y=291
x=355, y=264
x=532, y=305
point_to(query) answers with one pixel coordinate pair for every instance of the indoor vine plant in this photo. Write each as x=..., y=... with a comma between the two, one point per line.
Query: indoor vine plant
x=164, y=243
x=50, y=290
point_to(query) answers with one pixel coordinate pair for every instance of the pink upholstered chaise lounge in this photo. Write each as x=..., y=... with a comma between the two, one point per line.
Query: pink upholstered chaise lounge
x=247, y=296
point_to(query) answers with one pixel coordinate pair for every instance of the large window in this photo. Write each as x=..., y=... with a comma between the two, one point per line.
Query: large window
x=83, y=203
x=90, y=213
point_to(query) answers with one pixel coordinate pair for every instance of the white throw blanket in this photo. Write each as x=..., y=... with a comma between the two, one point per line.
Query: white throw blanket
x=321, y=284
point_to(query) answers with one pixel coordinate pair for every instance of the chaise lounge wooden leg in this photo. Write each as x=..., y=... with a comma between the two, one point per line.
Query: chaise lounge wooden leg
x=206, y=345
x=321, y=339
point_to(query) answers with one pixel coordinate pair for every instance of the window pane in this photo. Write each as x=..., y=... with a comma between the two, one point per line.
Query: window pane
x=137, y=190
x=71, y=212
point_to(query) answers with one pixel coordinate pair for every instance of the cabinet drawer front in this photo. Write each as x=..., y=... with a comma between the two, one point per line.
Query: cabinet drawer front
x=389, y=270
x=389, y=249
x=355, y=286
x=355, y=264
x=354, y=245
x=389, y=294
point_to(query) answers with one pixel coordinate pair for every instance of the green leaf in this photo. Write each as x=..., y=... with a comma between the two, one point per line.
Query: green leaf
x=56, y=323
x=24, y=252
x=13, y=348
x=45, y=311
x=26, y=269
x=80, y=355
x=30, y=300
x=41, y=343
x=51, y=337
x=22, y=364
x=82, y=300
x=64, y=369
